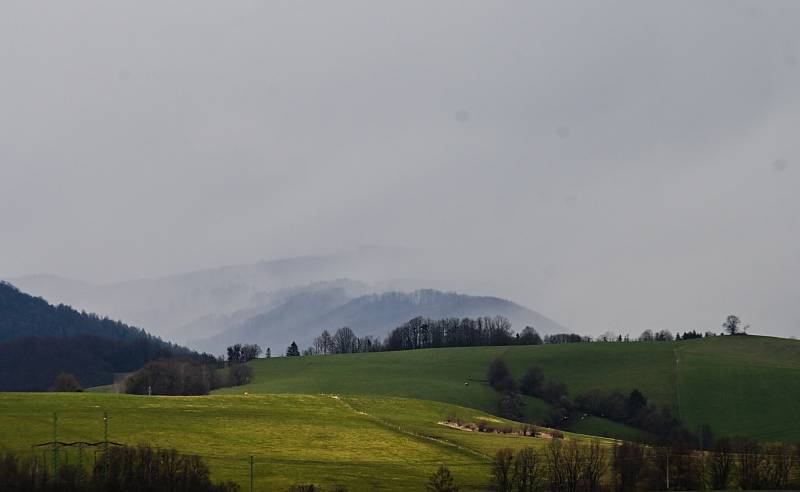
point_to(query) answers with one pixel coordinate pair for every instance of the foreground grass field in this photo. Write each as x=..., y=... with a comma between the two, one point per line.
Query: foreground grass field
x=373, y=421
x=739, y=385
x=363, y=443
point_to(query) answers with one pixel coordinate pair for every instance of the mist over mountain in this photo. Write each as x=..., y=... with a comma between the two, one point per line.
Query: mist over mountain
x=303, y=316
x=193, y=305
x=215, y=323
x=370, y=289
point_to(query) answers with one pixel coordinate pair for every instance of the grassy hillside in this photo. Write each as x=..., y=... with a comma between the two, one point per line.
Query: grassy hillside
x=371, y=436
x=739, y=385
x=745, y=385
x=363, y=443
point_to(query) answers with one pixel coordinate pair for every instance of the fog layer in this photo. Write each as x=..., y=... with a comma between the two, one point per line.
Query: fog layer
x=616, y=165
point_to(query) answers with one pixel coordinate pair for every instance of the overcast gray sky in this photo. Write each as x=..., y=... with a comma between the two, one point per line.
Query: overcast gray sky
x=615, y=165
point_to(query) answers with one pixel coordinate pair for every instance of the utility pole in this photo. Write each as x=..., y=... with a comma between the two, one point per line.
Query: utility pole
x=251, y=473
x=667, y=469
x=81, y=471
x=55, y=447
x=105, y=443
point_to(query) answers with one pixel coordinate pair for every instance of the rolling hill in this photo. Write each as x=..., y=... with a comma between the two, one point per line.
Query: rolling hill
x=303, y=316
x=739, y=385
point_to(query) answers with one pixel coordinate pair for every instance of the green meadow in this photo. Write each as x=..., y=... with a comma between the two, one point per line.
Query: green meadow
x=374, y=421
x=738, y=385
x=362, y=443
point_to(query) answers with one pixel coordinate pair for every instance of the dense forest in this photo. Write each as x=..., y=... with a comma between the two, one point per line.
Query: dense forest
x=32, y=363
x=22, y=315
x=39, y=341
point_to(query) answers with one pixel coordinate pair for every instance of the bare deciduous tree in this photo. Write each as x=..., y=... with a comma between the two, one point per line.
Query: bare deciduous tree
x=527, y=472
x=344, y=341
x=564, y=465
x=720, y=463
x=323, y=344
x=731, y=325
x=501, y=470
x=629, y=462
x=748, y=451
x=776, y=466
x=594, y=464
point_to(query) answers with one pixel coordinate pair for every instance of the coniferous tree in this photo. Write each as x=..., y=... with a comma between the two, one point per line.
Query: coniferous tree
x=292, y=351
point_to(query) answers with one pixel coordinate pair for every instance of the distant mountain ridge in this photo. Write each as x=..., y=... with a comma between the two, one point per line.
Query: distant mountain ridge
x=370, y=289
x=304, y=316
x=171, y=306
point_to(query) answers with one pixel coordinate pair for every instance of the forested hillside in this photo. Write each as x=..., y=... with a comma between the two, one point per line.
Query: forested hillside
x=22, y=315
x=38, y=341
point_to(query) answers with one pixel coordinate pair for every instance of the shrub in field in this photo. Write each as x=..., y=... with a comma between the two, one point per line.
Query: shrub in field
x=171, y=377
x=532, y=382
x=509, y=406
x=442, y=481
x=66, y=382
x=499, y=376
x=240, y=374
